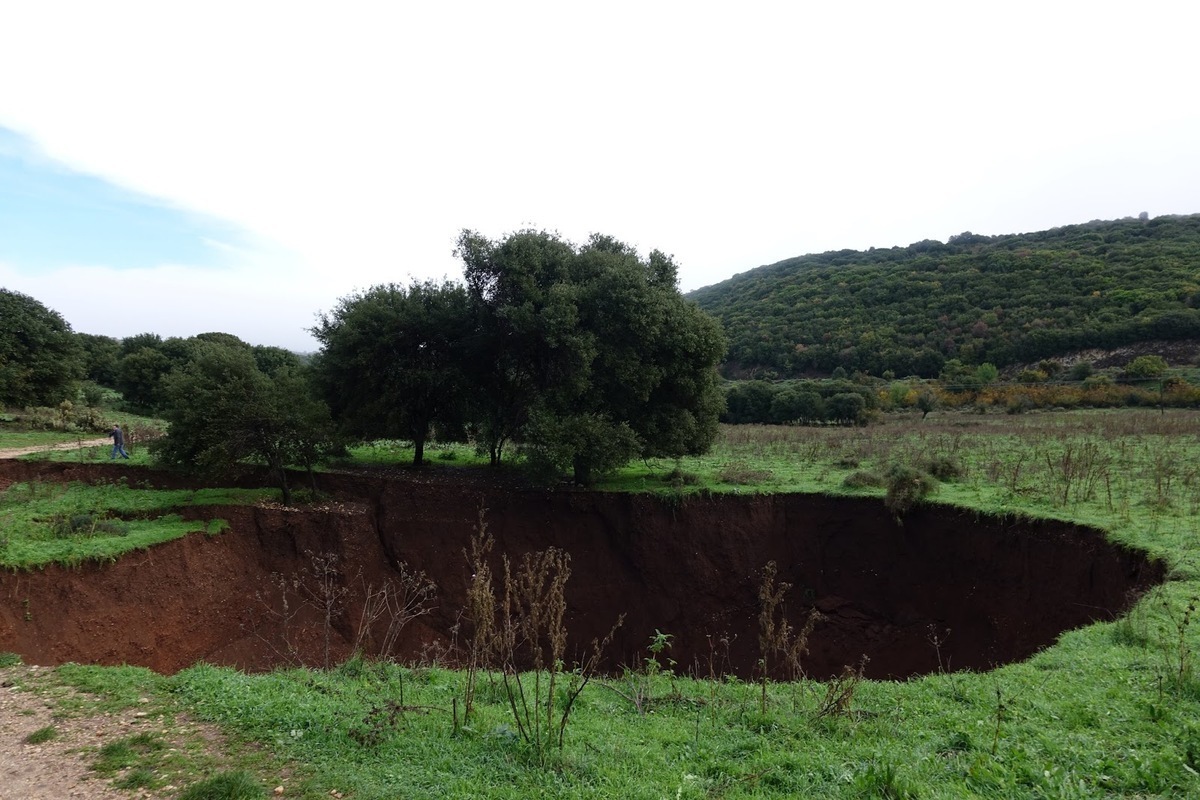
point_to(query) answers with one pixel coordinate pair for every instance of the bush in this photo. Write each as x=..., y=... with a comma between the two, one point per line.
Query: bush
x=739, y=473
x=862, y=479
x=1144, y=367
x=679, y=477
x=945, y=468
x=906, y=487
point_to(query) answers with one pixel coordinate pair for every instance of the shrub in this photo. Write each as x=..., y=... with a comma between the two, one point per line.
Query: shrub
x=679, y=477
x=906, y=487
x=1144, y=367
x=739, y=473
x=862, y=479
x=945, y=468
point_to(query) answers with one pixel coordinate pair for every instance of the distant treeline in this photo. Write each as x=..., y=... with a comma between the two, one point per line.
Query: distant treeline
x=846, y=402
x=1000, y=299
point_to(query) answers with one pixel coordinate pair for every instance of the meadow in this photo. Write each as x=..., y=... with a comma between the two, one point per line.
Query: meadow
x=1108, y=711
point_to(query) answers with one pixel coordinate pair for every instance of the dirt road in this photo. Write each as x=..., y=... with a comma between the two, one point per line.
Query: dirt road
x=15, y=452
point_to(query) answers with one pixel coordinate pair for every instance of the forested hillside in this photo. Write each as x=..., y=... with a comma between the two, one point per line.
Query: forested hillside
x=999, y=299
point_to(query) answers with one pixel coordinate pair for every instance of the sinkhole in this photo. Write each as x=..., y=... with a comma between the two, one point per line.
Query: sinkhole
x=940, y=589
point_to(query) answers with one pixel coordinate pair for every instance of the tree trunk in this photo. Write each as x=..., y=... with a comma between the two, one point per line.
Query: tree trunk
x=583, y=472
x=281, y=474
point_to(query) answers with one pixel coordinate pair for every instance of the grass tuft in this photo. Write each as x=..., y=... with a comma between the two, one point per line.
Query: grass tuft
x=42, y=735
x=225, y=786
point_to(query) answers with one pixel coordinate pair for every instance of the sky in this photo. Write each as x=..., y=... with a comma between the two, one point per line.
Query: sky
x=178, y=168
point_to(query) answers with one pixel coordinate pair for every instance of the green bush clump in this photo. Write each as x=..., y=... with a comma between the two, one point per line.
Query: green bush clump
x=945, y=468
x=739, y=473
x=862, y=479
x=906, y=487
x=679, y=477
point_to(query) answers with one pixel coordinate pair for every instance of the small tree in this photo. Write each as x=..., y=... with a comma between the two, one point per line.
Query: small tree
x=1146, y=368
x=847, y=408
x=225, y=414
x=926, y=401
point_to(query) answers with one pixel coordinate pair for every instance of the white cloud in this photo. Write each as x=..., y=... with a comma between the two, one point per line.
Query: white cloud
x=362, y=138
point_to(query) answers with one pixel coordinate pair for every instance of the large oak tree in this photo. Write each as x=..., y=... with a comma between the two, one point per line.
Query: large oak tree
x=597, y=357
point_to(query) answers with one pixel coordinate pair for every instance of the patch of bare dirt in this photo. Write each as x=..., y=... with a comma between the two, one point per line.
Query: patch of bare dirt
x=31, y=700
x=17, y=452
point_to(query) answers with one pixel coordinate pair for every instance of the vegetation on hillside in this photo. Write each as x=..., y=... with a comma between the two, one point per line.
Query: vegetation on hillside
x=999, y=299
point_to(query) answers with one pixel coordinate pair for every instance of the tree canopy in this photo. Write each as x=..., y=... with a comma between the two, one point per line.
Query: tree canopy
x=224, y=414
x=585, y=356
x=40, y=358
x=394, y=361
x=595, y=355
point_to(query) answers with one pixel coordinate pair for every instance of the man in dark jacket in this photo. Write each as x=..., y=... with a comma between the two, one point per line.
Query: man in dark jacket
x=118, y=438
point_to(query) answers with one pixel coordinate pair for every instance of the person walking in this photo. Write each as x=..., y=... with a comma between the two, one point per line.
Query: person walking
x=118, y=438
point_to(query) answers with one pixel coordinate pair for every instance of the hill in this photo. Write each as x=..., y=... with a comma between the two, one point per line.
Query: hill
x=1001, y=299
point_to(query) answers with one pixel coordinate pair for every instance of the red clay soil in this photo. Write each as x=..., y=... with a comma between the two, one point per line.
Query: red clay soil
x=991, y=590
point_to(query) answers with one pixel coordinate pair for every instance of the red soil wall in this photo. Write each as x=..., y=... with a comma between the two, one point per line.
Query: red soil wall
x=993, y=590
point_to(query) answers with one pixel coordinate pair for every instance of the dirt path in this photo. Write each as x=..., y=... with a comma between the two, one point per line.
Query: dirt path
x=58, y=768
x=32, y=700
x=15, y=452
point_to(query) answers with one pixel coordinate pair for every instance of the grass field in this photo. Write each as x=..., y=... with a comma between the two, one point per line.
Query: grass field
x=1112, y=710
x=43, y=523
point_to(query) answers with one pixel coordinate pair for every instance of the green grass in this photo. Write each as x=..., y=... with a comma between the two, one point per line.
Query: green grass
x=387, y=452
x=43, y=523
x=1111, y=710
x=237, y=785
x=138, y=456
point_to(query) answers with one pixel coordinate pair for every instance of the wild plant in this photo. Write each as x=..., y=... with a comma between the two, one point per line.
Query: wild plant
x=1163, y=470
x=1179, y=666
x=739, y=473
x=884, y=782
x=397, y=603
x=777, y=639
x=322, y=588
x=906, y=488
x=937, y=639
x=1000, y=716
x=318, y=586
x=278, y=619
x=480, y=610
x=639, y=683
x=839, y=691
x=1077, y=467
x=531, y=631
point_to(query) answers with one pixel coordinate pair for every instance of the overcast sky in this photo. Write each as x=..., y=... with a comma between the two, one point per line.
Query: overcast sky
x=239, y=166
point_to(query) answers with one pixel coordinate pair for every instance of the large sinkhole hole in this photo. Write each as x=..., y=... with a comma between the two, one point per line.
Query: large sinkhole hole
x=941, y=589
